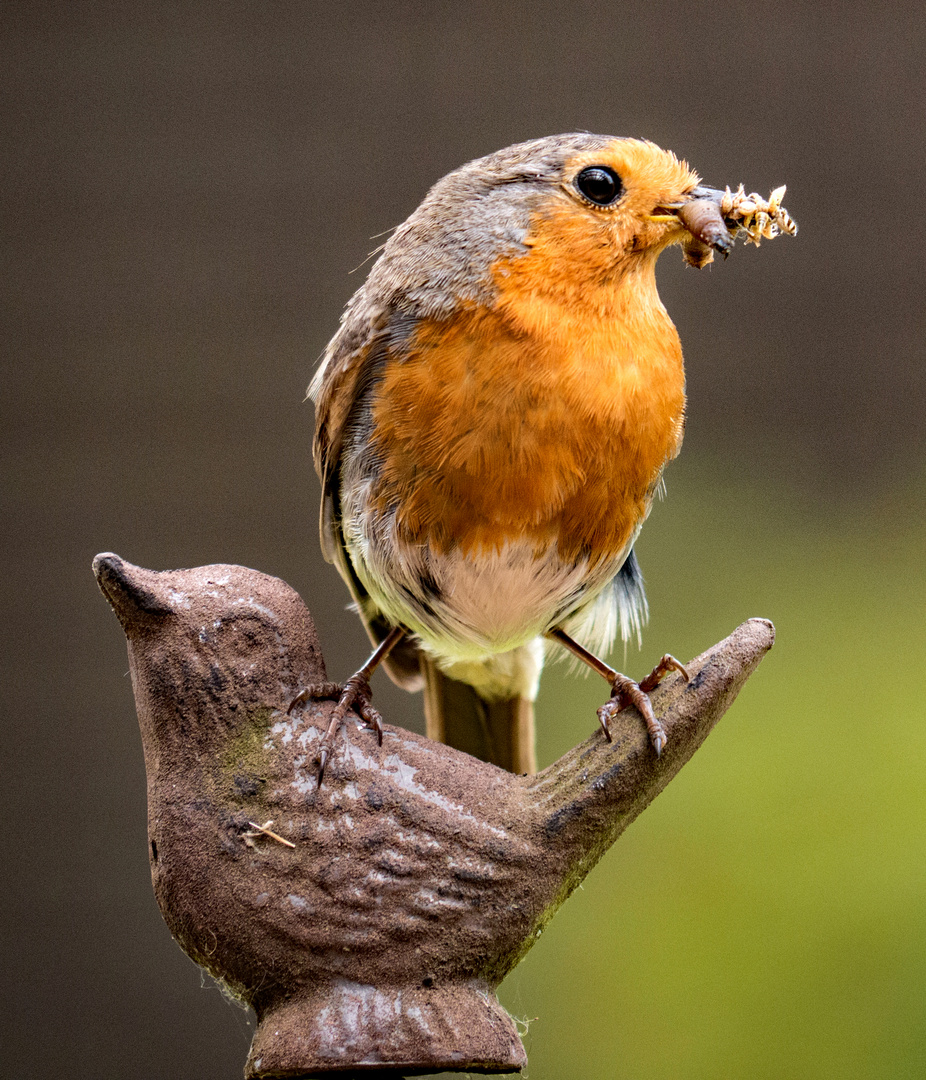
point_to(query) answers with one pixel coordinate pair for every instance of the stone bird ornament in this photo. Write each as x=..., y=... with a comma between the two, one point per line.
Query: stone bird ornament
x=368, y=921
x=493, y=418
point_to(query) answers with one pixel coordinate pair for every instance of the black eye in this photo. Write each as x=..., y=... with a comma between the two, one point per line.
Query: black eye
x=600, y=185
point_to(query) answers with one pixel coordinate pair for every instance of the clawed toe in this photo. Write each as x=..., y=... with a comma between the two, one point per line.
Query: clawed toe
x=666, y=664
x=354, y=694
x=626, y=692
x=372, y=719
x=316, y=692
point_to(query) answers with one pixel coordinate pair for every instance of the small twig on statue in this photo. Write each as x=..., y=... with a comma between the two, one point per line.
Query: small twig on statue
x=264, y=830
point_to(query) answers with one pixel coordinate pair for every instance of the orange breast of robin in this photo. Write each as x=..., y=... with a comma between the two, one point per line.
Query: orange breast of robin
x=546, y=418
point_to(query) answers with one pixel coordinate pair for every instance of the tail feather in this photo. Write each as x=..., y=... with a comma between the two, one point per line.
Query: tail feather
x=501, y=732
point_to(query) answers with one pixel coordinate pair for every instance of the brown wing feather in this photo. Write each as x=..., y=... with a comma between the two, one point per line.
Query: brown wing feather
x=347, y=377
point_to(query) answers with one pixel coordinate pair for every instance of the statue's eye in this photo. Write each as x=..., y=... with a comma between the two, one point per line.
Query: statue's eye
x=600, y=185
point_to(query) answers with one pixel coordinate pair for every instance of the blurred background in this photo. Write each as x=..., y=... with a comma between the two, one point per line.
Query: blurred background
x=189, y=191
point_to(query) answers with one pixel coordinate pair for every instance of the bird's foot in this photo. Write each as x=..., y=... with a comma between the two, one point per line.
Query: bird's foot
x=354, y=694
x=625, y=692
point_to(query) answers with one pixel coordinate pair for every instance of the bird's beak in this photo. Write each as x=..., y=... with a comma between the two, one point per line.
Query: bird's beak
x=700, y=215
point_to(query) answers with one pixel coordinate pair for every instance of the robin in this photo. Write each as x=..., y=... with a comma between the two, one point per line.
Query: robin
x=493, y=418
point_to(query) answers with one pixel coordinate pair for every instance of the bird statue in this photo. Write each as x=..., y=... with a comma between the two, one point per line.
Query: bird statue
x=369, y=921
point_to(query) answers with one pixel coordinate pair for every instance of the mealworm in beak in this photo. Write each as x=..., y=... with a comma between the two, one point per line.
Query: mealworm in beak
x=702, y=218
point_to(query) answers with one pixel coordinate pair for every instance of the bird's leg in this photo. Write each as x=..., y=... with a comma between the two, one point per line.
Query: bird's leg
x=625, y=691
x=354, y=694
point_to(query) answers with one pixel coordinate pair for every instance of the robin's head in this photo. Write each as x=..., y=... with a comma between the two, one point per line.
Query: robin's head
x=573, y=210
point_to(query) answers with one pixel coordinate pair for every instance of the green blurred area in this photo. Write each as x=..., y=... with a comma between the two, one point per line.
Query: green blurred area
x=766, y=916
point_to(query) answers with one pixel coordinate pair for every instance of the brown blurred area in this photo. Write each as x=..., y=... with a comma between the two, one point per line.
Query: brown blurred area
x=187, y=191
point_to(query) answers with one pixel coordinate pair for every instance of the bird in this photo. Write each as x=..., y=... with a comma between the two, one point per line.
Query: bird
x=493, y=418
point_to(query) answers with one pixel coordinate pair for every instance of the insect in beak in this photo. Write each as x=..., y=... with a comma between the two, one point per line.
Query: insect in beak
x=713, y=217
